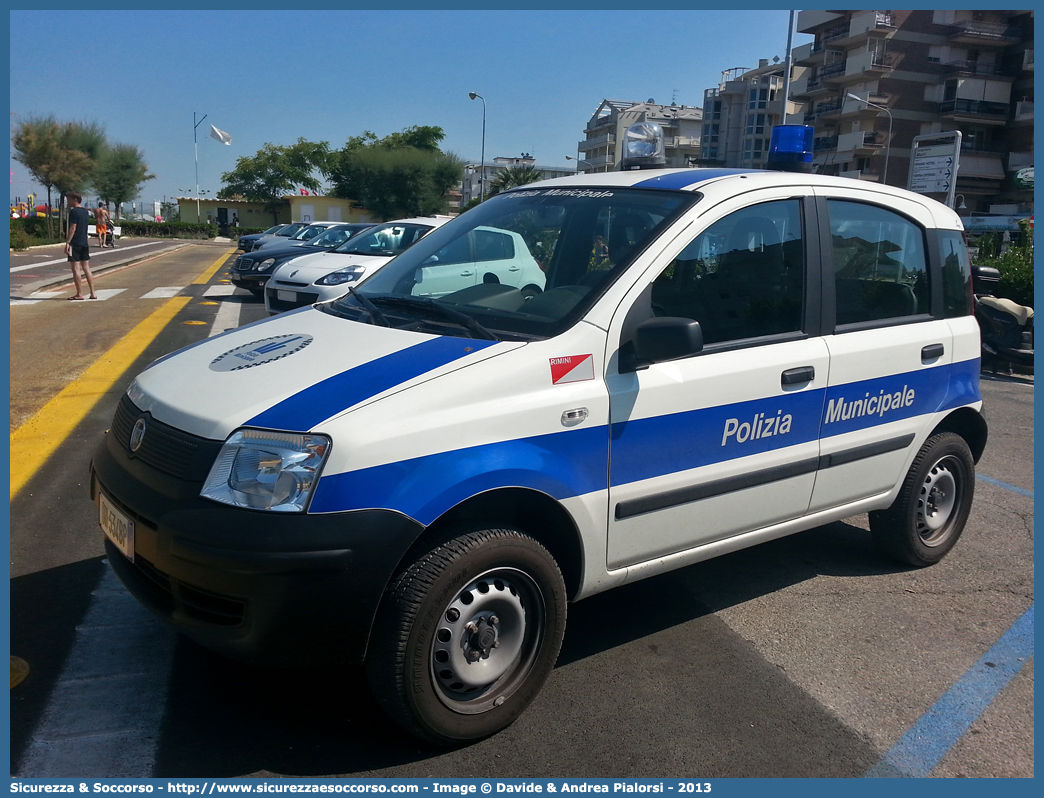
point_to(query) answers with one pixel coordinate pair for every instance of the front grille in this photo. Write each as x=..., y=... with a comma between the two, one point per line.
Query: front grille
x=302, y=301
x=165, y=448
x=169, y=594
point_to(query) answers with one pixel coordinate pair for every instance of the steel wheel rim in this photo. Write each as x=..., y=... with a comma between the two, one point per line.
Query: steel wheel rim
x=938, y=501
x=486, y=640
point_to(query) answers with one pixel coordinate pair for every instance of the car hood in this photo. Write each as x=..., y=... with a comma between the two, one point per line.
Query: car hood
x=295, y=371
x=309, y=268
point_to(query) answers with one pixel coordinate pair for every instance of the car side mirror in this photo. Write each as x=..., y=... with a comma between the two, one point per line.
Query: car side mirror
x=431, y=260
x=667, y=338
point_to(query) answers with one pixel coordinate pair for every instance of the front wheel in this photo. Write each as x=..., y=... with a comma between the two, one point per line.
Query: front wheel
x=927, y=517
x=467, y=635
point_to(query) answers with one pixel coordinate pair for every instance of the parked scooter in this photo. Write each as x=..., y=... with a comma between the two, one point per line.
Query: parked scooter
x=1006, y=326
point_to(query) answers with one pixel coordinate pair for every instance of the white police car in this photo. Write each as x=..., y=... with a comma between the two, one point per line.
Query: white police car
x=715, y=358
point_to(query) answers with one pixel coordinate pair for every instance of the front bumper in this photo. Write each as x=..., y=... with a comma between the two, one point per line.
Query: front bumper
x=265, y=587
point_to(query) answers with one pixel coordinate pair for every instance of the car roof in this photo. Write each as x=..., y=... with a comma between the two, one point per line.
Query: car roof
x=736, y=181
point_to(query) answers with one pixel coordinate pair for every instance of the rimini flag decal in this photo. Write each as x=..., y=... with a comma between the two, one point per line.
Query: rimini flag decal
x=574, y=368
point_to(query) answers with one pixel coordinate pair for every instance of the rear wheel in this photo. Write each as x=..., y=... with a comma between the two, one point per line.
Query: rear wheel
x=928, y=516
x=467, y=635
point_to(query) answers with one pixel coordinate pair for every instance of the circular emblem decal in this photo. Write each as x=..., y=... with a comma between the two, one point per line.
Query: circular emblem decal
x=259, y=352
x=137, y=434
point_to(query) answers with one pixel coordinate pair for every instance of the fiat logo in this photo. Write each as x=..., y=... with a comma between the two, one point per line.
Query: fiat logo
x=137, y=434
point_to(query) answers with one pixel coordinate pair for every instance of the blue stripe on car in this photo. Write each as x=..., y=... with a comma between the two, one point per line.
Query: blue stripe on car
x=690, y=177
x=572, y=463
x=327, y=398
x=561, y=464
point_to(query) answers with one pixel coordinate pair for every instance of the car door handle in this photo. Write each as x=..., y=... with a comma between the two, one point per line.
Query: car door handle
x=931, y=352
x=798, y=375
x=466, y=273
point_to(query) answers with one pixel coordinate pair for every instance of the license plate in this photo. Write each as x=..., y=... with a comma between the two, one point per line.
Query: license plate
x=117, y=527
x=286, y=296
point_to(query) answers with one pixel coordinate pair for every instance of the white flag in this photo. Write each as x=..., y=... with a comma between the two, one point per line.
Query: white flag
x=220, y=135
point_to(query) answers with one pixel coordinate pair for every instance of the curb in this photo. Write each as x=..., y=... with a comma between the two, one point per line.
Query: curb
x=24, y=291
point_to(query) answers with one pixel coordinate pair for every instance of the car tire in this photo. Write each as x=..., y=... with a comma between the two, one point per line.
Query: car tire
x=928, y=516
x=467, y=635
x=531, y=290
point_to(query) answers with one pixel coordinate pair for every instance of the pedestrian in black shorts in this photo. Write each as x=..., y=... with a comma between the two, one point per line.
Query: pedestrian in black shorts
x=77, y=247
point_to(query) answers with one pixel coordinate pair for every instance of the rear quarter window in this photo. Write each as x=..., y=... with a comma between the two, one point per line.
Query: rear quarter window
x=956, y=274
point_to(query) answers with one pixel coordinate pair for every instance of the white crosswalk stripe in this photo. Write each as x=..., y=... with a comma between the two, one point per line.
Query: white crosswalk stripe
x=164, y=293
x=102, y=294
x=220, y=290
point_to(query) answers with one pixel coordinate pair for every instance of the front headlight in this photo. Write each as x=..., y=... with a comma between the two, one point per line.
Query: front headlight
x=342, y=276
x=265, y=265
x=266, y=470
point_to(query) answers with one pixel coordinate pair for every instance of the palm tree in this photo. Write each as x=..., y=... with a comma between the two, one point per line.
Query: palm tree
x=513, y=177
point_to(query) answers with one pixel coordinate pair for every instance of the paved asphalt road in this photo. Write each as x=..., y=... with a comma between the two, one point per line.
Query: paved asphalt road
x=809, y=656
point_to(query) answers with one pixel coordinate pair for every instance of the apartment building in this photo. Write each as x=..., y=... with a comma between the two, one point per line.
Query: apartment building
x=475, y=174
x=738, y=115
x=916, y=73
x=601, y=150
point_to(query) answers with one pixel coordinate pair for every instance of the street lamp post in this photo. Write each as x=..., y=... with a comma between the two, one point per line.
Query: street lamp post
x=578, y=161
x=888, y=144
x=195, y=147
x=482, y=168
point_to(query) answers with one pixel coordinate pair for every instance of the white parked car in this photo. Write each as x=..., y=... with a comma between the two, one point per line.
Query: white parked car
x=326, y=275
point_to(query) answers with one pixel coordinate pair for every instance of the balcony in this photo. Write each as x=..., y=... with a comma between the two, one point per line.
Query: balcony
x=982, y=148
x=861, y=142
x=835, y=33
x=974, y=111
x=976, y=69
x=1024, y=109
x=1027, y=60
x=598, y=141
x=824, y=143
x=832, y=108
x=833, y=72
x=809, y=20
x=980, y=33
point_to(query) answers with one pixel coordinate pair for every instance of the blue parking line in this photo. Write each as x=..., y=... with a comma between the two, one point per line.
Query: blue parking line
x=1005, y=485
x=918, y=751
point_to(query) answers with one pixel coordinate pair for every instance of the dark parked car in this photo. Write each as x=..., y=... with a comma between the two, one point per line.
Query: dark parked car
x=285, y=232
x=252, y=269
x=247, y=241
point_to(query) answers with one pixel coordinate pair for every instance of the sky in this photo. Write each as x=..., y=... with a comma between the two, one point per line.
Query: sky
x=267, y=76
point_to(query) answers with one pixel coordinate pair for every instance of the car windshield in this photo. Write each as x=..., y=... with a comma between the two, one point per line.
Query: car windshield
x=524, y=265
x=307, y=233
x=331, y=237
x=273, y=230
x=289, y=230
x=386, y=240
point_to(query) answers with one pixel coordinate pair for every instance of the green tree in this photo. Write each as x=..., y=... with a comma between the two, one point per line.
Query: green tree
x=276, y=171
x=513, y=177
x=120, y=174
x=61, y=156
x=403, y=174
x=36, y=147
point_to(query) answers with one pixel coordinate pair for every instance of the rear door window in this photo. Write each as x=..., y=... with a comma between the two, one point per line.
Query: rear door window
x=880, y=265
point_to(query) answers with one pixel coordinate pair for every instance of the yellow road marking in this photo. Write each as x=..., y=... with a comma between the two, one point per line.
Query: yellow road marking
x=39, y=437
x=205, y=277
x=193, y=321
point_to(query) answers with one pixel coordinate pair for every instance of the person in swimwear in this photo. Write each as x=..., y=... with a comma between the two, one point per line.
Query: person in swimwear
x=101, y=222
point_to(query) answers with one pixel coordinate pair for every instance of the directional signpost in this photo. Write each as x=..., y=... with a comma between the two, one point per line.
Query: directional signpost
x=933, y=164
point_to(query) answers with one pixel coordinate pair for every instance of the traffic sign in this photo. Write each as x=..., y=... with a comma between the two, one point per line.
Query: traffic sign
x=934, y=161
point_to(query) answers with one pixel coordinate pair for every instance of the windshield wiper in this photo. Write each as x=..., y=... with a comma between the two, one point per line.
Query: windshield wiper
x=429, y=305
x=372, y=309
